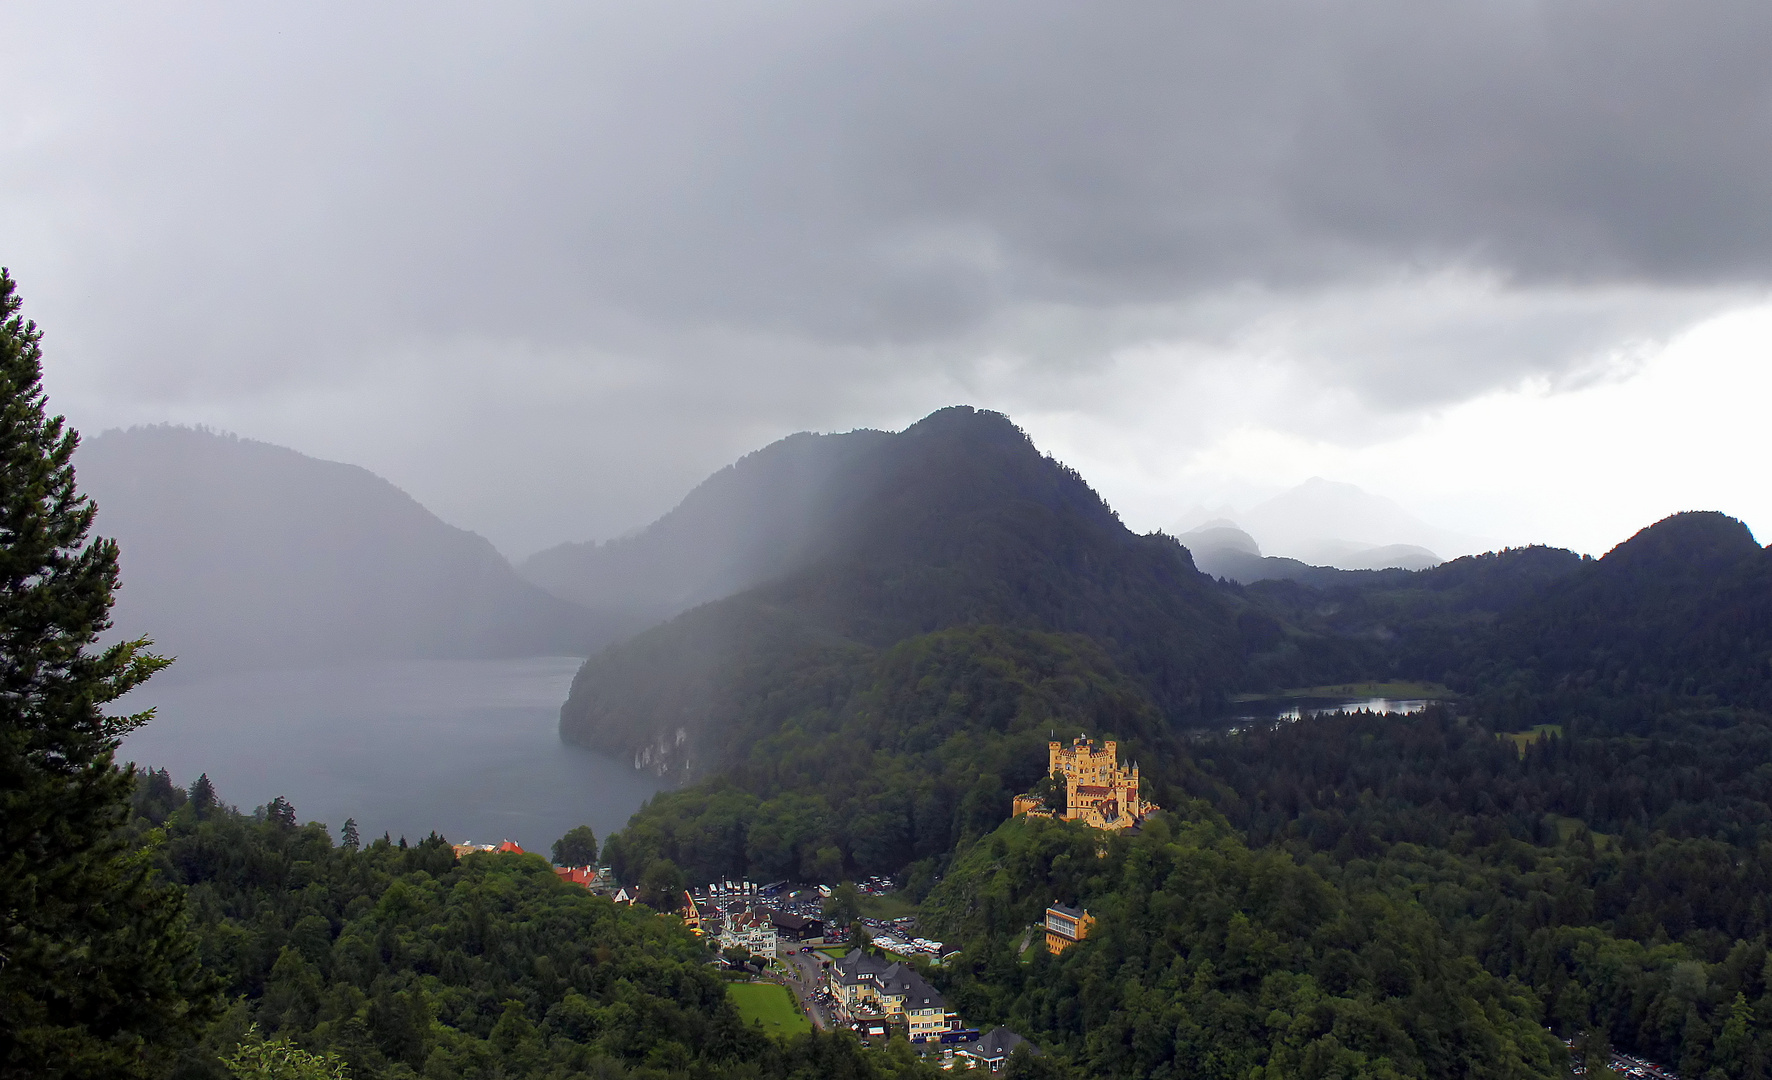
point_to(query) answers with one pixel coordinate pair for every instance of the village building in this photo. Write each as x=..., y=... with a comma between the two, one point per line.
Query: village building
x=799, y=928
x=578, y=875
x=750, y=930
x=1098, y=791
x=992, y=1049
x=868, y=989
x=1065, y=926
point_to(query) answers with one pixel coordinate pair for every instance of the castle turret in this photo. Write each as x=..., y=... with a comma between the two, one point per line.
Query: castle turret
x=1098, y=790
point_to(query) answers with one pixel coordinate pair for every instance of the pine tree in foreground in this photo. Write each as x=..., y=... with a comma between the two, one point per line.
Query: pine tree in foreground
x=98, y=974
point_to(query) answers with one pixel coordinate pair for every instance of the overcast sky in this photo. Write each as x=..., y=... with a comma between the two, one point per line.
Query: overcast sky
x=546, y=266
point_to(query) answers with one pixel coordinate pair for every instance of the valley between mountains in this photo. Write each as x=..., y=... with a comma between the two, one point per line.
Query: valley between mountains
x=844, y=655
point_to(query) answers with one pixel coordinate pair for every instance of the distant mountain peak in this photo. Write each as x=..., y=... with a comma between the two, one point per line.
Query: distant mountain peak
x=958, y=520
x=1339, y=524
x=240, y=554
x=1219, y=534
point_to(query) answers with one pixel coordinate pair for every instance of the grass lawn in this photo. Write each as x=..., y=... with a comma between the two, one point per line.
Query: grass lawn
x=770, y=1003
x=1357, y=690
x=835, y=952
x=1523, y=739
x=890, y=906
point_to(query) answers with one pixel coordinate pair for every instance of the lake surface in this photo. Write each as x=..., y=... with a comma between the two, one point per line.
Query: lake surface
x=1290, y=710
x=470, y=748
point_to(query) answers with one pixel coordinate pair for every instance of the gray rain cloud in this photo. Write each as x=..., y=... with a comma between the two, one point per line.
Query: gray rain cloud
x=623, y=243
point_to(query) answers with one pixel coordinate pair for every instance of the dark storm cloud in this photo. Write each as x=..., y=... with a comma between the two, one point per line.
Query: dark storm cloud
x=752, y=198
x=904, y=170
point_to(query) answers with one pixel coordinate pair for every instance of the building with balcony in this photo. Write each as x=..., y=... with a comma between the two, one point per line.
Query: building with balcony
x=868, y=989
x=1065, y=926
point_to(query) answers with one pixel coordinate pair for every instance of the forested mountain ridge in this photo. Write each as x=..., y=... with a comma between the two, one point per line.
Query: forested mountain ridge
x=959, y=520
x=956, y=541
x=1681, y=611
x=240, y=554
x=956, y=521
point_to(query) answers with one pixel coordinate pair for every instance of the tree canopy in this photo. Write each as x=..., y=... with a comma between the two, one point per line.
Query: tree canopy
x=577, y=848
x=98, y=976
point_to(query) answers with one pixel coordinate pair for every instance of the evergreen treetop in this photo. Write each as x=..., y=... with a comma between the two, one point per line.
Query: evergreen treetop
x=97, y=974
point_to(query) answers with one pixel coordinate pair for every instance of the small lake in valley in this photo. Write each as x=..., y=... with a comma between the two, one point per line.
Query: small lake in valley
x=1268, y=711
x=469, y=748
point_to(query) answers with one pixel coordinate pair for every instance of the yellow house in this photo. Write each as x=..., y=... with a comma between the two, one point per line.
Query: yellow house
x=1065, y=926
x=867, y=986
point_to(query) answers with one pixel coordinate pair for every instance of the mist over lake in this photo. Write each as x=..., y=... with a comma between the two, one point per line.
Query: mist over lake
x=470, y=748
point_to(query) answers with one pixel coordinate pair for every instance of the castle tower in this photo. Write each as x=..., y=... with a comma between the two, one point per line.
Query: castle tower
x=1098, y=791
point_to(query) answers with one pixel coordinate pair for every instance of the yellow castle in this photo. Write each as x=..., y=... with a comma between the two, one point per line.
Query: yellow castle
x=1098, y=792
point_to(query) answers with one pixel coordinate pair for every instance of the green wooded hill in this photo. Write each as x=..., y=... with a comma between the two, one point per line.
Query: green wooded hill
x=913, y=755
x=1623, y=877
x=1214, y=960
x=956, y=521
x=403, y=961
x=1681, y=613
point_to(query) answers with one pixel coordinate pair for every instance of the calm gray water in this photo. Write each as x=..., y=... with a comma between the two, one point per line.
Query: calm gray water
x=470, y=748
x=1265, y=712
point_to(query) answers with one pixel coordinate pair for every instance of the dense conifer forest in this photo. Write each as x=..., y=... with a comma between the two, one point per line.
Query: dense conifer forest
x=1627, y=878
x=1211, y=959
x=399, y=960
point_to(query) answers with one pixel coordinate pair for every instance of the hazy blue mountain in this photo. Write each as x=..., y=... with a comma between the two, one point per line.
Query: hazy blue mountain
x=239, y=554
x=1383, y=557
x=1325, y=523
x=1219, y=535
x=1222, y=550
x=749, y=523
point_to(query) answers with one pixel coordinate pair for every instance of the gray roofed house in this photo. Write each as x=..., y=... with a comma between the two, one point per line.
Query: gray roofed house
x=797, y=927
x=992, y=1049
x=866, y=985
